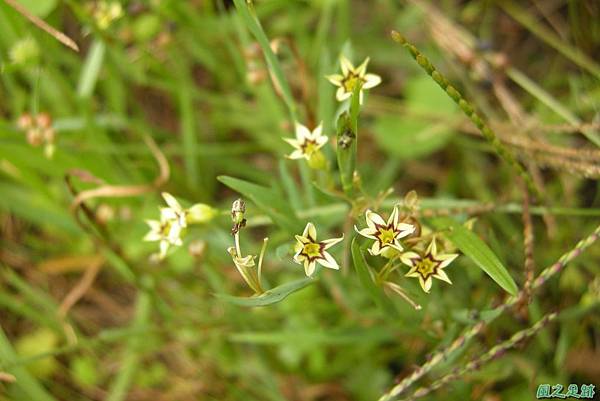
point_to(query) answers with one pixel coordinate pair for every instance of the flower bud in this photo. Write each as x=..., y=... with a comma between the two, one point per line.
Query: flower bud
x=200, y=213
x=238, y=209
x=317, y=161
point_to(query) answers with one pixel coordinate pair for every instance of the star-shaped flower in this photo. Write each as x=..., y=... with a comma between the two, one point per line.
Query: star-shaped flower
x=174, y=211
x=307, y=143
x=387, y=235
x=309, y=251
x=173, y=220
x=352, y=76
x=167, y=231
x=428, y=266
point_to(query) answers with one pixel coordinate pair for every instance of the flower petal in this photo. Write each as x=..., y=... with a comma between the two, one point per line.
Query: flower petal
x=440, y=274
x=375, y=249
x=432, y=248
x=346, y=65
x=167, y=213
x=408, y=258
x=302, y=132
x=331, y=242
x=310, y=232
x=154, y=225
x=303, y=239
x=366, y=232
x=405, y=230
x=328, y=261
x=373, y=219
x=335, y=79
x=294, y=142
x=295, y=155
x=426, y=284
x=309, y=267
x=446, y=259
x=317, y=132
x=342, y=95
x=298, y=258
x=164, y=247
x=321, y=141
x=371, y=81
x=412, y=272
x=362, y=69
x=171, y=201
x=393, y=219
x=152, y=236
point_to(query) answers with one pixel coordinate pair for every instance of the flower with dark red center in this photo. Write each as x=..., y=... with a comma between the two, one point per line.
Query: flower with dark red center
x=428, y=266
x=309, y=251
x=387, y=235
x=352, y=76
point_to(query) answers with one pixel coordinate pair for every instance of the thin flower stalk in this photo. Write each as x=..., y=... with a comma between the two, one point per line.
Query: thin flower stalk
x=433, y=362
x=528, y=240
x=493, y=353
x=400, y=291
x=246, y=266
x=468, y=109
x=472, y=331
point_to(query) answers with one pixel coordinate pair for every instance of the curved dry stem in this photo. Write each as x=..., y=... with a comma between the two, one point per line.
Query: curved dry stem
x=40, y=23
x=120, y=191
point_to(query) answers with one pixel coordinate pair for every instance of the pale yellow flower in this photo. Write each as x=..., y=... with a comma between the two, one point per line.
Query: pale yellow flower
x=167, y=232
x=352, y=76
x=428, y=266
x=309, y=251
x=306, y=144
x=387, y=235
x=173, y=221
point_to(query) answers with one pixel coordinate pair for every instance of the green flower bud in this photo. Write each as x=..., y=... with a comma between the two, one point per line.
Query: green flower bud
x=200, y=213
x=317, y=161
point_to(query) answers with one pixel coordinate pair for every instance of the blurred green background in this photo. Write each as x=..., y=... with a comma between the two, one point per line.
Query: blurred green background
x=191, y=76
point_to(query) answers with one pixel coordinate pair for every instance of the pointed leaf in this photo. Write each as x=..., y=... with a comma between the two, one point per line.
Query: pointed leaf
x=267, y=200
x=271, y=296
x=478, y=251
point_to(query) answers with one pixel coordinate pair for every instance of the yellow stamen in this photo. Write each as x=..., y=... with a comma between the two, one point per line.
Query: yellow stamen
x=312, y=250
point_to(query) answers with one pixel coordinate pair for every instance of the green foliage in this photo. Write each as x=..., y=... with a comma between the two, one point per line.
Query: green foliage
x=474, y=248
x=269, y=297
x=89, y=310
x=409, y=136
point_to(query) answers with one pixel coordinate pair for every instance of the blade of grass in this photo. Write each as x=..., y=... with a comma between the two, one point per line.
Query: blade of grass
x=29, y=388
x=569, y=51
x=131, y=361
x=91, y=69
x=253, y=24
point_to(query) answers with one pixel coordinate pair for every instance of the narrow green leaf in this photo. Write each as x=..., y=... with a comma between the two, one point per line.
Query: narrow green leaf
x=39, y=8
x=131, y=359
x=26, y=387
x=316, y=338
x=91, y=69
x=267, y=200
x=366, y=278
x=478, y=251
x=271, y=296
x=254, y=26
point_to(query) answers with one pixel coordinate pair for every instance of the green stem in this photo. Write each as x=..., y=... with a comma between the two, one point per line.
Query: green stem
x=469, y=111
x=119, y=388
